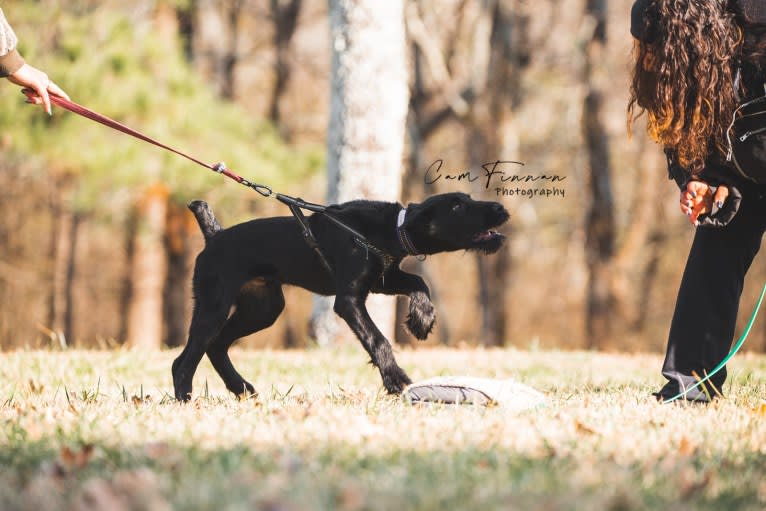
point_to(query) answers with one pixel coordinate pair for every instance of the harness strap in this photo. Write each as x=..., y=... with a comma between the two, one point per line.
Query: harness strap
x=297, y=204
x=309, y=237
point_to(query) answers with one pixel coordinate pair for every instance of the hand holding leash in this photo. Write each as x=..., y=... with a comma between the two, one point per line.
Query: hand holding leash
x=37, y=86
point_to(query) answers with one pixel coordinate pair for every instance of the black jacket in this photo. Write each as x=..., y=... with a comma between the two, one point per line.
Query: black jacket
x=752, y=16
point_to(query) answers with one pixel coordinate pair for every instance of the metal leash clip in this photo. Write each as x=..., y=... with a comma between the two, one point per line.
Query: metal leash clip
x=264, y=190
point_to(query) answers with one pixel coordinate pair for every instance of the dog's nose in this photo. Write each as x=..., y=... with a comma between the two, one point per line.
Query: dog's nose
x=498, y=209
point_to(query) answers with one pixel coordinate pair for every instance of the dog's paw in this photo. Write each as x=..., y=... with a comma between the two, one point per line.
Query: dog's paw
x=395, y=380
x=182, y=386
x=420, y=321
x=183, y=393
x=244, y=391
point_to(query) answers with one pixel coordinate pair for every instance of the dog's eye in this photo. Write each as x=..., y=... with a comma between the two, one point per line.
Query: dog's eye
x=457, y=206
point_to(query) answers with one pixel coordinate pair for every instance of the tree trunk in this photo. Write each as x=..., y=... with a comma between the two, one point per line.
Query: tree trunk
x=69, y=281
x=493, y=270
x=646, y=231
x=600, y=222
x=414, y=187
x=215, y=45
x=493, y=136
x=284, y=14
x=148, y=271
x=63, y=249
x=177, y=293
x=655, y=244
x=600, y=228
x=126, y=287
x=368, y=109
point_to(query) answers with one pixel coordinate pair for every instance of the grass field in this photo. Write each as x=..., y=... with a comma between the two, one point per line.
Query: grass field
x=98, y=430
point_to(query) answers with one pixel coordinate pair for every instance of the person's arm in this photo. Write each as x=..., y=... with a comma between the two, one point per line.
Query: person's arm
x=13, y=67
x=10, y=60
x=711, y=198
x=752, y=11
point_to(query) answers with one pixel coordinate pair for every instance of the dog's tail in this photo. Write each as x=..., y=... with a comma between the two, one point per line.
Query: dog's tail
x=208, y=224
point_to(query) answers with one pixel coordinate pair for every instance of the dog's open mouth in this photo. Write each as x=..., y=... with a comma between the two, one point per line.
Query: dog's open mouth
x=486, y=236
x=488, y=241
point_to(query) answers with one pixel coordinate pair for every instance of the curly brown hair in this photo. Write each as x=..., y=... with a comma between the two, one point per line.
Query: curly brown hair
x=684, y=77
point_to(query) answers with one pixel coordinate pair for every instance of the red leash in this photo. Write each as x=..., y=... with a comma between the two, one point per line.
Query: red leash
x=294, y=203
x=111, y=123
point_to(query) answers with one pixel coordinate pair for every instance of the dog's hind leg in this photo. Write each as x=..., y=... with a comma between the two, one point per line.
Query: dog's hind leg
x=259, y=304
x=205, y=325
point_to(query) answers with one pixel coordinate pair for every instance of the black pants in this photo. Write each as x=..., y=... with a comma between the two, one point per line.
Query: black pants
x=704, y=320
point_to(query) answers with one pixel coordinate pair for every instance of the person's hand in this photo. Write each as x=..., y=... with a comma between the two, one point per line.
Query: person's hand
x=698, y=199
x=32, y=78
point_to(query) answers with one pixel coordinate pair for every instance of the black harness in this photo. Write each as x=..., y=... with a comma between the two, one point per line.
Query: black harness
x=296, y=206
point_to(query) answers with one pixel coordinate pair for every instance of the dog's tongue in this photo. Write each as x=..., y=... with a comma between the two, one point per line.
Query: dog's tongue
x=484, y=236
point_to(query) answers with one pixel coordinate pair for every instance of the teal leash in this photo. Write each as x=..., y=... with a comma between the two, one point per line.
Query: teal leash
x=733, y=351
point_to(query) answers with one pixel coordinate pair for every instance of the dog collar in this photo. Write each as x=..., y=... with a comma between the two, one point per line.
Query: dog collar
x=404, y=239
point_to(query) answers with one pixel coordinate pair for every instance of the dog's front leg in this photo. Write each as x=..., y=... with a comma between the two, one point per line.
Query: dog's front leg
x=422, y=315
x=353, y=311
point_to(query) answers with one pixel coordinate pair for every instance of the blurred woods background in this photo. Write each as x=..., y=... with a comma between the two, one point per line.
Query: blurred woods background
x=332, y=101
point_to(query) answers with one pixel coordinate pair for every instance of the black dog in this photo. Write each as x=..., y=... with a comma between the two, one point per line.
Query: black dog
x=243, y=268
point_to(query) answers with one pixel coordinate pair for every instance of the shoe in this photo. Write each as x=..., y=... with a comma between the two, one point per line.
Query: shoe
x=672, y=389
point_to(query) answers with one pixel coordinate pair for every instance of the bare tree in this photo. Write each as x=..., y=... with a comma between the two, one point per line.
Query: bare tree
x=284, y=15
x=148, y=271
x=368, y=110
x=600, y=223
x=179, y=231
x=646, y=233
x=63, y=248
x=215, y=34
x=485, y=99
x=494, y=135
x=618, y=287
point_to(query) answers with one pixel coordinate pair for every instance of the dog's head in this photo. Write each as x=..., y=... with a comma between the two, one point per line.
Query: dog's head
x=454, y=221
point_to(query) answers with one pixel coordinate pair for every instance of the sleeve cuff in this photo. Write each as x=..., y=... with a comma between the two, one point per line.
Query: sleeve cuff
x=10, y=63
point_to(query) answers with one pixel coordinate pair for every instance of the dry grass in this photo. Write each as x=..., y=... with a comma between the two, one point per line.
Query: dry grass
x=98, y=430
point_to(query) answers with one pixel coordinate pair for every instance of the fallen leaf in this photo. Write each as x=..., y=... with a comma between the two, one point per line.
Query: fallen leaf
x=483, y=464
x=686, y=447
x=760, y=410
x=75, y=459
x=36, y=388
x=582, y=428
x=138, y=400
